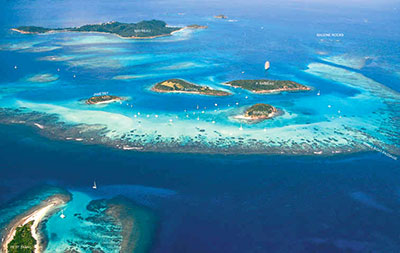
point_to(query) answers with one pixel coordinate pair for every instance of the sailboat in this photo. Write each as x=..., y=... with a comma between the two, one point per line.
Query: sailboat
x=94, y=185
x=62, y=216
x=266, y=66
x=319, y=93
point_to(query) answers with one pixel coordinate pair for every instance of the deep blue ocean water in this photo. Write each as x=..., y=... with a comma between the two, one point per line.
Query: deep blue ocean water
x=212, y=203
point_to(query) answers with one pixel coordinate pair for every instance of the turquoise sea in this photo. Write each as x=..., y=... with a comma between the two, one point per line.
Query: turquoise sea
x=321, y=177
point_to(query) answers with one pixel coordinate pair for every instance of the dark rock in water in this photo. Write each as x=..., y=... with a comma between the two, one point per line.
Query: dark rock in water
x=71, y=251
x=92, y=243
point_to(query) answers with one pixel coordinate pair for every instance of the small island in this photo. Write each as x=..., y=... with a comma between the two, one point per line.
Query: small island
x=103, y=99
x=221, y=16
x=141, y=30
x=197, y=26
x=182, y=86
x=258, y=112
x=268, y=86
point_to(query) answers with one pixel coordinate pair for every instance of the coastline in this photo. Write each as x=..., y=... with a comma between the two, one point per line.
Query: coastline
x=105, y=102
x=271, y=91
x=122, y=37
x=20, y=31
x=36, y=214
x=281, y=90
x=255, y=119
x=190, y=92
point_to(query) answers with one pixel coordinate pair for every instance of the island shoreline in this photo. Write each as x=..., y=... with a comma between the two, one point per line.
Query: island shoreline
x=181, y=86
x=37, y=214
x=275, y=91
x=187, y=92
x=114, y=34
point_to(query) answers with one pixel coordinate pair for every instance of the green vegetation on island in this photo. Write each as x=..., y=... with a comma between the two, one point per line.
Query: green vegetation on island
x=33, y=29
x=23, y=242
x=260, y=111
x=143, y=29
x=103, y=99
x=268, y=86
x=182, y=86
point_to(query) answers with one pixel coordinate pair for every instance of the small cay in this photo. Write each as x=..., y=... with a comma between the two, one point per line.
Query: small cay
x=268, y=86
x=258, y=112
x=103, y=99
x=221, y=16
x=182, y=86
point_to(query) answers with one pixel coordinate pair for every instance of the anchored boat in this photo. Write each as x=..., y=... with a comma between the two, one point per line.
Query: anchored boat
x=266, y=66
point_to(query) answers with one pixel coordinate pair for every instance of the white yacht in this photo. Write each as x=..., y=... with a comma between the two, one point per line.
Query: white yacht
x=267, y=65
